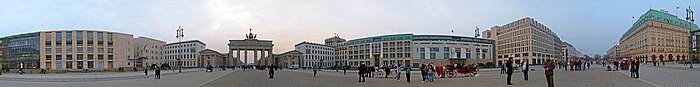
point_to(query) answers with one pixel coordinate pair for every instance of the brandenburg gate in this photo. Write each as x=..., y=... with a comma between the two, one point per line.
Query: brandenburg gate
x=262, y=47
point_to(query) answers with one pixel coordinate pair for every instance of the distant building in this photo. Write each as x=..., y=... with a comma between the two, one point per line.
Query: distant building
x=71, y=50
x=334, y=41
x=614, y=52
x=213, y=58
x=187, y=51
x=261, y=49
x=289, y=58
x=526, y=39
x=147, y=52
x=657, y=35
x=316, y=55
x=570, y=53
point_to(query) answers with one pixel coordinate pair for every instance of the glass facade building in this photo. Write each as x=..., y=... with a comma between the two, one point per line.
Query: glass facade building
x=20, y=51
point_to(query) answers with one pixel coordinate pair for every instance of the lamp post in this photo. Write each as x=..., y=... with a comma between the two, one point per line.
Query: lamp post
x=179, y=36
x=689, y=17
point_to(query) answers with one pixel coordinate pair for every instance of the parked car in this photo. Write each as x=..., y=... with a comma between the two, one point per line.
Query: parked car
x=295, y=66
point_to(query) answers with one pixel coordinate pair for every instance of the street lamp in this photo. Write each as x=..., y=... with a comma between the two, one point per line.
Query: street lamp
x=179, y=36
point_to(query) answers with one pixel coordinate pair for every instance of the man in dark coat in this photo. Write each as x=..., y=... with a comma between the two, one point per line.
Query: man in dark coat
x=549, y=71
x=509, y=72
x=271, y=72
x=157, y=73
x=362, y=69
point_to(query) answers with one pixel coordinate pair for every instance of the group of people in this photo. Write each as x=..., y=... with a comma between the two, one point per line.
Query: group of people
x=157, y=73
x=549, y=67
x=427, y=72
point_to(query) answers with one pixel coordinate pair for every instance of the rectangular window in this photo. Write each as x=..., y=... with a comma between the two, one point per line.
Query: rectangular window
x=110, y=50
x=48, y=50
x=109, y=39
x=110, y=57
x=79, y=37
x=433, y=55
x=59, y=57
x=79, y=50
x=100, y=40
x=69, y=57
x=90, y=50
x=69, y=64
x=79, y=57
x=446, y=49
x=447, y=55
x=468, y=55
x=90, y=64
x=90, y=38
x=69, y=38
x=100, y=50
x=79, y=64
x=59, y=51
x=434, y=49
x=69, y=51
x=90, y=57
x=100, y=57
x=59, y=37
x=48, y=57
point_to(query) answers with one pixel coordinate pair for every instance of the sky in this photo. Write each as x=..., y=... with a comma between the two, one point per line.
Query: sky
x=592, y=26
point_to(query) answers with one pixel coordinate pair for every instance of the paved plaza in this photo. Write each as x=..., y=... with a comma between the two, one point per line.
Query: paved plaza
x=594, y=77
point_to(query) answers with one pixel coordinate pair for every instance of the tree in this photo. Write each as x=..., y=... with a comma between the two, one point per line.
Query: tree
x=154, y=66
x=165, y=66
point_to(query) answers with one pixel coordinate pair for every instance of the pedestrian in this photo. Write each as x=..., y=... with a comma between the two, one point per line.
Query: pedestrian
x=362, y=69
x=632, y=68
x=157, y=73
x=423, y=72
x=272, y=72
x=408, y=73
x=315, y=70
x=549, y=71
x=431, y=73
x=509, y=66
x=345, y=70
x=636, y=68
x=398, y=72
x=503, y=69
x=145, y=72
x=387, y=71
x=526, y=68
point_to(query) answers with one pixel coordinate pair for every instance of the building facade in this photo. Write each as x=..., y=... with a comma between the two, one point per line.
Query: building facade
x=289, y=58
x=186, y=51
x=261, y=49
x=375, y=51
x=448, y=50
x=147, y=52
x=614, y=52
x=67, y=50
x=316, y=55
x=526, y=39
x=657, y=35
x=570, y=52
x=212, y=58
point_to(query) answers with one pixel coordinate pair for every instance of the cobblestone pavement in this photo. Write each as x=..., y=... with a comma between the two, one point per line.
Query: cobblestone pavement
x=671, y=75
x=595, y=77
x=192, y=79
x=85, y=77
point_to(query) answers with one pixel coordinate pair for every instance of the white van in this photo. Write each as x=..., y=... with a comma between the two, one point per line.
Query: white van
x=294, y=66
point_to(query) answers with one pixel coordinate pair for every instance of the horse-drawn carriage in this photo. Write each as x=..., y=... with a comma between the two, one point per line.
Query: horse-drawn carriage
x=469, y=70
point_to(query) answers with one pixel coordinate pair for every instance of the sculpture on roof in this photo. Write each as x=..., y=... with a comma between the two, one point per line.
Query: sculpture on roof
x=251, y=35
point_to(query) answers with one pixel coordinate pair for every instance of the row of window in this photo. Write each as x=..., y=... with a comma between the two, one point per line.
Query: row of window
x=78, y=57
x=79, y=50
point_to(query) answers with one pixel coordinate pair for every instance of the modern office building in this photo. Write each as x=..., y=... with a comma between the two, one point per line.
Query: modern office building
x=375, y=51
x=526, y=39
x=21, y=51
x=334, y=41
x=316, y=55
x=448, y=50
x=212, y=58
x=186, y=51
x=614, y=52
x=410, y=49
x=67, y=50
x=148, y=52
x=657, y=35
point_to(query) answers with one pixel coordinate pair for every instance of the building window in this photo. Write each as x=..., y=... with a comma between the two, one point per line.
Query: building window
x=59, y=50
x=69, y=64
x=90, y=38
x=69, y=57
x=48, y=51
x=69, y=38
x=59, y=57
x=100, y=57
x=447, y=55
x=433, y=55
x=58, y=38
x=90, y=50
x=79, y=37
x=79, y=57
x=90, y=57
x=90, y=64
x=48, y=57
x=110, y=57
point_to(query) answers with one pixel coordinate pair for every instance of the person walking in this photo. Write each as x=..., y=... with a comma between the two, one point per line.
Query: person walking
x=271, y=72
x=145, y=72
x=509, y=72
x=431, y=73
x=387, y=71
x=398, y=72
x=408, y=73
x=526, y=68
x=423, y=72
x=315, y=68
x=157, y=73
x=636, y=68
x=549, y=71
x=503, y=69
x=362, y=69
x=345, y=70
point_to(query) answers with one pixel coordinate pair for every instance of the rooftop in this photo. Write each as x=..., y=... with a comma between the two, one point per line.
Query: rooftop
x=656, y=15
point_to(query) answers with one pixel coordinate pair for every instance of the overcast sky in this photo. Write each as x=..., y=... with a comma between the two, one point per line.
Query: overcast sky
x=592, y=26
